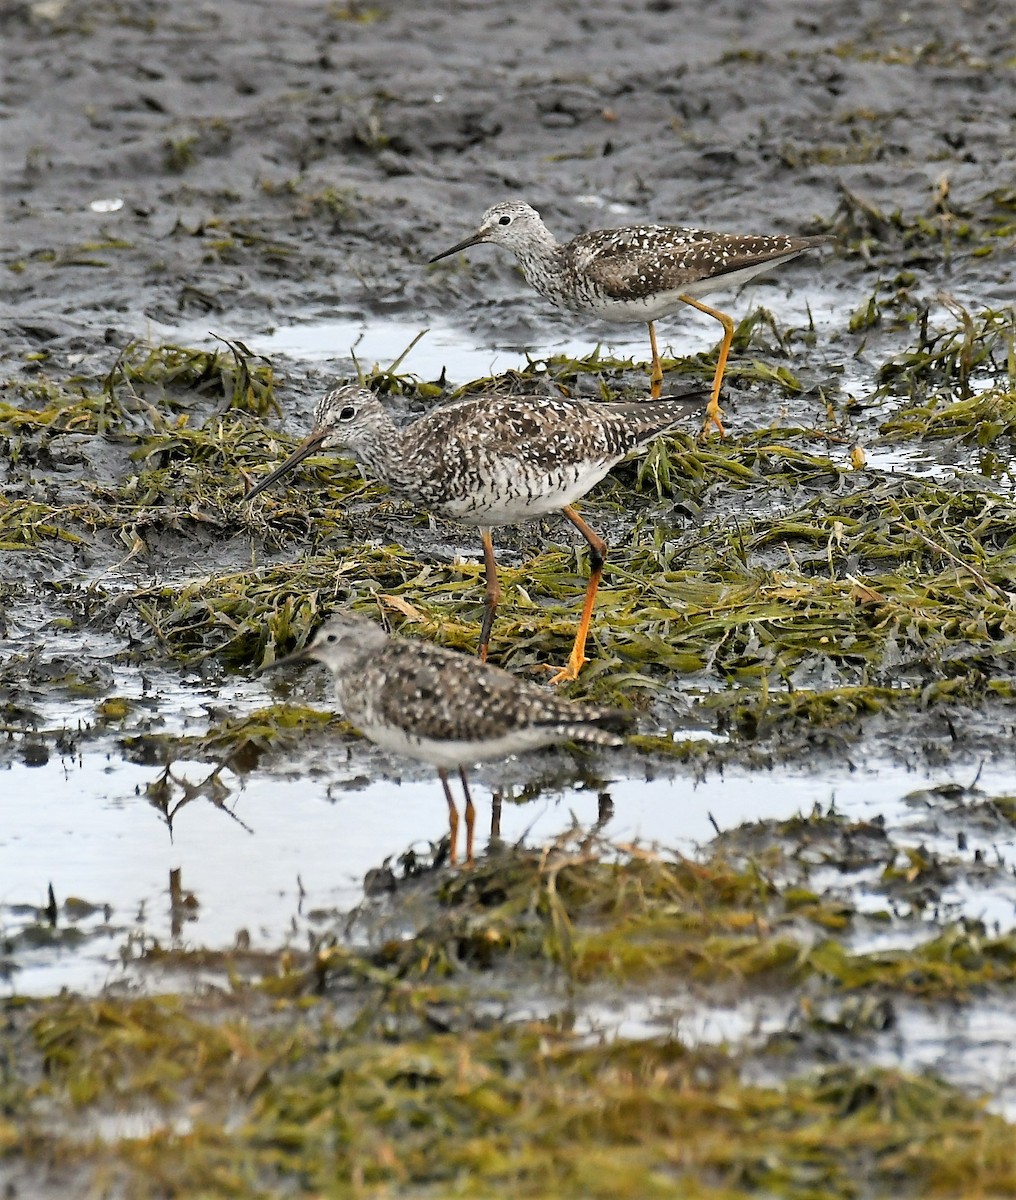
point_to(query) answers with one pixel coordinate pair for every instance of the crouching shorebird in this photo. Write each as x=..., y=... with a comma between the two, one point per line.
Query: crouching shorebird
x=636, y=272
x=443, y=708
x=493, y=460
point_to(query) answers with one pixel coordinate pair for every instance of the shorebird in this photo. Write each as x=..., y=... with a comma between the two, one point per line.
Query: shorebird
x=636, y=272
x=492, y=460
x=444, y=708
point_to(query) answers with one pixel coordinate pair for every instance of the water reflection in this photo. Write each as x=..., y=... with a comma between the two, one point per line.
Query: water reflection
x=301, y=845
x=169, y=793
x=183, y=905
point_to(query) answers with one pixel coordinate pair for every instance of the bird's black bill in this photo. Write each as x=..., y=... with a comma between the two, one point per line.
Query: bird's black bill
x=474, y=239
x=298, y=656
x=306, y=448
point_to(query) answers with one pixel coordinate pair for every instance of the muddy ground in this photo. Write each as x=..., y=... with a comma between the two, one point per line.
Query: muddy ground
x=830, y=586
x=316, y=166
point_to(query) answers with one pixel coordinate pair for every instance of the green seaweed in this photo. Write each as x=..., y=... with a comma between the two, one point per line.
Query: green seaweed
x=875, y=593
x=378, y=1069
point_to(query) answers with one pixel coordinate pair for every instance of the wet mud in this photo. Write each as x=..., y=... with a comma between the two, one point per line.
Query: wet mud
x=827, y=593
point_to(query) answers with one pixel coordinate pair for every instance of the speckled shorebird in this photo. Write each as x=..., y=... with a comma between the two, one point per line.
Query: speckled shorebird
x=444, y=708
x=493, y=460
x=636, y=272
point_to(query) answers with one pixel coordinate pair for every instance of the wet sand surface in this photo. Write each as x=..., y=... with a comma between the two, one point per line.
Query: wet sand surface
x=278, y=176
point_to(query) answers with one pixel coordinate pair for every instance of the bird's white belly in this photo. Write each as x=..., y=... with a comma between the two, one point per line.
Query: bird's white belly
x=645, y=308
x=512, y=492
x=450, y=755
x=662, y=304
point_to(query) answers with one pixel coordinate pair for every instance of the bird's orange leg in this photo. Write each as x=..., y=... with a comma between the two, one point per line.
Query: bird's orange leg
x=493, y=597
x=453, y=815
x=470, y=817
x=713, y=413
x=597, y=553
x=656, y=374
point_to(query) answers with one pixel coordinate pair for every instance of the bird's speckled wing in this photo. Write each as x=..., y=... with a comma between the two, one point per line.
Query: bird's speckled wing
x=430, y=692
x=495, y=460
x=628, y=264
x=541, y=430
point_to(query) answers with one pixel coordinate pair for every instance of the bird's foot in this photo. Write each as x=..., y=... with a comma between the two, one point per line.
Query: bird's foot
x=570, y=670
x=714, y=415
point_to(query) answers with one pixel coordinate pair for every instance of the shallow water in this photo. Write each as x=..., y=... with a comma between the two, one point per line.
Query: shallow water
x=433, y=348
x=971, y=1046
x=302, y=845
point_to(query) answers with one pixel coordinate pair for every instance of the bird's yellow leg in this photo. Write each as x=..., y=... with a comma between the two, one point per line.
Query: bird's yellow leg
x=713, y=412
x=656, y=374
x=597, y=553
x=453, y=816
x=470, y=817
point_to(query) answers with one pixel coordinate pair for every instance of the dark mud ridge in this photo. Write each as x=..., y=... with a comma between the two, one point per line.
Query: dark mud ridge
x=204, y=208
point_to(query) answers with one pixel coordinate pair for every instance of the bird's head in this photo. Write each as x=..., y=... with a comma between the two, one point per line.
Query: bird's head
x=513, y=224
x=345, y=639
x=349, y=416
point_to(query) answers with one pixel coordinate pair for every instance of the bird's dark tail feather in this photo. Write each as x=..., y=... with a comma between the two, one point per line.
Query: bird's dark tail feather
x=655, y=417
x=599, y=726
x=616, y=720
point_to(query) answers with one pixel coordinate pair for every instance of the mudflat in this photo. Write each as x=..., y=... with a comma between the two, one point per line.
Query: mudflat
x=211, y=213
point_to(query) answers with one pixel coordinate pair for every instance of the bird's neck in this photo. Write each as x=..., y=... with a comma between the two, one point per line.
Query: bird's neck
x=381, y=455
x=350, y=686
x=540, y=258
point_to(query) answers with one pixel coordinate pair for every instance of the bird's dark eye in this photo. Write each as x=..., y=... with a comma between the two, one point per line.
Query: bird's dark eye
x=348, y=413
x=504, y=220
x=331, y=639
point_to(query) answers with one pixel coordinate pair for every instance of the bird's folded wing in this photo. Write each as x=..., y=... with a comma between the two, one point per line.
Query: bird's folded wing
x=455, y=698
x=668, y=260
x=523, y=432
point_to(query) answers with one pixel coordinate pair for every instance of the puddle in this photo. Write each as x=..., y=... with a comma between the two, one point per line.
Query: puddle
x=938, y=460
x=684, y=1018
x=276, y=852
x=442, y=348
x=433, y=347
x=139, y=1125
x=971, y=1047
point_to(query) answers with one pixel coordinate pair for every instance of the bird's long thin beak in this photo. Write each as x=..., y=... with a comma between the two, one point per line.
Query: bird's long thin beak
x=474, y=239
x=298, y=656
x=307, y=447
